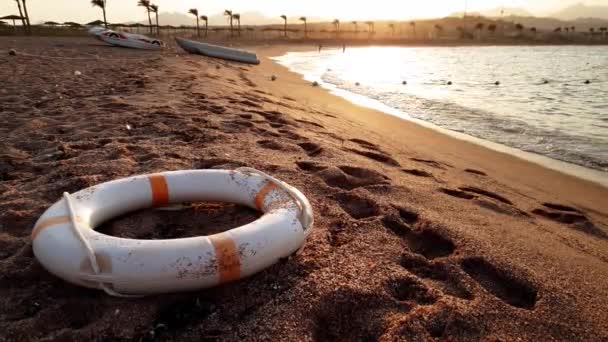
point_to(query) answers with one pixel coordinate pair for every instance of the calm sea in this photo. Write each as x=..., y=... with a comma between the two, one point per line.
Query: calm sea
x=542, y=103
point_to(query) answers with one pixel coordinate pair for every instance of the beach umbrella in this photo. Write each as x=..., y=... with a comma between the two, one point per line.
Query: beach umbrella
x=13, y=18
x=96, y=23
x=71, y=24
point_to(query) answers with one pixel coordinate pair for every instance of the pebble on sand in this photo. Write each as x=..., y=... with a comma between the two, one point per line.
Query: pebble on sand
x=77, y=73
x=587, y=82
x=315, y=84
x=404, y=82
x=449, y=82
x=12, y=52
x=273, y=78
x=497, y=83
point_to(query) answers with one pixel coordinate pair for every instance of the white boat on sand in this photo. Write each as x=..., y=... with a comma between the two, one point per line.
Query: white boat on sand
x=217, y=51
x=128, y=40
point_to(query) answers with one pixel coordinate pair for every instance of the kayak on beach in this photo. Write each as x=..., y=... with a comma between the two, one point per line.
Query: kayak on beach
x=128, y=40
x=217, y=51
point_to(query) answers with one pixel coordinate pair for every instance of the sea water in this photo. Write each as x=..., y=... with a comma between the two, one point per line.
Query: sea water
x=547, y=100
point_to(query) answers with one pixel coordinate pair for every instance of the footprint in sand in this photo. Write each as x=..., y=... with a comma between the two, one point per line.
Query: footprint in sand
x=476, y=172
x=412, y=290
x=431, y=163
x=418, y=173
x=500, y=283
x=489, y=200
x=349, y=177
x=570, y=216
x=366, y=144
x=422, y=238
x=311, y=149
x=311, y=166
x=441, y=275
x=310, y=123
x=357, y=206
x=377, y=156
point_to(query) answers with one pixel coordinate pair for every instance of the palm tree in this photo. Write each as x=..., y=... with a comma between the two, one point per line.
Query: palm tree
x=492, y=28
x=101, y=4
x=439, y=29
x=559, y=29
x=229, y=14
x=237, y=17
x=356, y=26
x=284, y=17
x=573, y=29
x=27, y=16
x=392, y=27
x=413, y=25
x=194, y=12
x=534, y=31
x=23, y=22
x=519, y=27
x=336, y=24
x=305, y=26
x=479, y=27
x=146, y=4
x=370, y=27
x=206, y=20
x=154, y=8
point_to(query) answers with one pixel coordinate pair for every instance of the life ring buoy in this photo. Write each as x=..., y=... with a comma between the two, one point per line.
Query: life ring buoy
x=66, y=244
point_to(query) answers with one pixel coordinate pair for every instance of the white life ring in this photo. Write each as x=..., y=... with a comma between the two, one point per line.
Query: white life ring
x=66, y=244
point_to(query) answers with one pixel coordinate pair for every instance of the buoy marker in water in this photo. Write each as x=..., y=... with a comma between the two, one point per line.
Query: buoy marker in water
x=497, y=83
x=404, y=82
x=587, y=82
x=449, y=83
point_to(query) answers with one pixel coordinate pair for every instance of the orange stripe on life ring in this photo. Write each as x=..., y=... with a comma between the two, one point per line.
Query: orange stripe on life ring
x=227, y=257
x=261, y=196
x=160, y=190
x=52, y=221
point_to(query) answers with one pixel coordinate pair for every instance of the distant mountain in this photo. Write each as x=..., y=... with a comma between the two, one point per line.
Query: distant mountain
x=582, y=11
x=507, y=11
x=496, y=13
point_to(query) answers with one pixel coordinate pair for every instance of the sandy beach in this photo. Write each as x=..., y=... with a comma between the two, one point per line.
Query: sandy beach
x=418, y=235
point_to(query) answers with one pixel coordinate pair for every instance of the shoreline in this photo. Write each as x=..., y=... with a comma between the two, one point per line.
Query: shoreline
x=585, y=173
x=593, y=179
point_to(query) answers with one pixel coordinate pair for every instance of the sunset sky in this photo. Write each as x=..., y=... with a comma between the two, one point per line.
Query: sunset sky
x=126, y=10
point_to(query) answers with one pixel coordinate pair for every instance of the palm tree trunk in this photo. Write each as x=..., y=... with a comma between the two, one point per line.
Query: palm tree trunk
x=231, y=27
x=206, y=27
x=285, y=28
x=305, y=30
x=198, y=30
x=149, y=22
x=105, y=21
x=27, y=16
x=21, y=15
x=239, y=27
x=157, y=26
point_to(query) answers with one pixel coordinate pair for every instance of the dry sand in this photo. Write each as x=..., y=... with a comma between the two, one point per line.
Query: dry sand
x=418, y=236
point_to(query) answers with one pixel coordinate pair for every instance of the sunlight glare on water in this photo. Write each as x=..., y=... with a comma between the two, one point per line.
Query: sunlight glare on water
x=542, y=104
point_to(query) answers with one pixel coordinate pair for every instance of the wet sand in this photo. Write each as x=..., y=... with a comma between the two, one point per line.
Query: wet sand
x=418, y=235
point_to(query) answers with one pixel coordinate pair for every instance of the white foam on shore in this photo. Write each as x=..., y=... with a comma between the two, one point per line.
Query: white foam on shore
x=578, y=171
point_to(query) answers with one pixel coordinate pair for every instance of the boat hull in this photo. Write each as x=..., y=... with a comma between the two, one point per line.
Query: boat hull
x=217, y=51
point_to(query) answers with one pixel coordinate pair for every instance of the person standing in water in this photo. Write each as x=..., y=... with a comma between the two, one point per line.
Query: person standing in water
x=320, y=47
x=343, y=48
